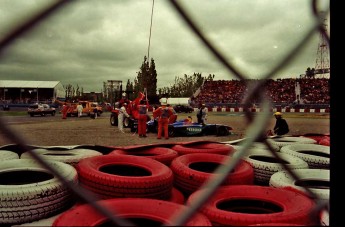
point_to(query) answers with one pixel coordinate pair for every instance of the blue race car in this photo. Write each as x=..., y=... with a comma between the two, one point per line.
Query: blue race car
x=181, y=128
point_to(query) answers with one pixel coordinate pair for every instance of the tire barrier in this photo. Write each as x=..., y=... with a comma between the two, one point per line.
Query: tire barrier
x=70, y=156
x=288, y=140
x=7, y=155
x=237, y=144
x=30, y=192
x=177, y=196
x=207, y=147
x=118, y=176
x=137, y=211
x=324, y=217
x=266, y=164
x=316, y=180
x=317, y=156
x=161, y=154
x=191, y=171
x=242, y=205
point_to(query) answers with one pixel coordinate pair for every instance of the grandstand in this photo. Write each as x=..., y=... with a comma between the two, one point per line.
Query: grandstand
x=290, y=93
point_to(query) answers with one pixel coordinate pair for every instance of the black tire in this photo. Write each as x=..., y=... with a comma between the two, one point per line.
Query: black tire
x=222, y=131
x=171, y=131
x=245, y=205
x=113, y=119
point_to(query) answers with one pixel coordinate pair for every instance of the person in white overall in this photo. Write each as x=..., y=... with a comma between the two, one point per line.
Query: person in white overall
x=121, y=116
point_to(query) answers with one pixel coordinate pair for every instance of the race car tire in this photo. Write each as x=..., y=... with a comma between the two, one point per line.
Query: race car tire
x=30, y=192
x=161, y=154
x=243, y=205
x=171, y=131
x=266, y=164
x=153, y=212
x=72, y=156
x=222, y=131
x=118, y=176
x=317, y=156
x=6, y=155
x=209, y=147
x=191, y=171
x=316, y=180
x=288, y=140
x=113, y=120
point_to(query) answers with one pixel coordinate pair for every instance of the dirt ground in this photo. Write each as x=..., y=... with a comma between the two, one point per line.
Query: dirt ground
x=54, y=131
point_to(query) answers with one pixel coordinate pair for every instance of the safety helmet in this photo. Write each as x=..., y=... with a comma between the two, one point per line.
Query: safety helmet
x=277, y=114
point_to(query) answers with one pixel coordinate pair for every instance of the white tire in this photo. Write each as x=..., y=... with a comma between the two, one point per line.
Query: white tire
x=6, y=155
x=288, y=140
x=72, y=156
x=316, y=180
x=265, y=164
x=317, y=156
x=30, y=192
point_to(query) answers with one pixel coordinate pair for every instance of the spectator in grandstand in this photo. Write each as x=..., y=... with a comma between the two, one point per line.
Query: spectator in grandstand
x=120, y=117
x=281, y=127
x=163, y=114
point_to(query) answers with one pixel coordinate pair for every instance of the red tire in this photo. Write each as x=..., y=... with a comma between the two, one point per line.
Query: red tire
x=177, y=196
x=161, y=154
x=191, y=171
x=112, y=176
x=209, y=147
x=243, y=205
x=150, y=211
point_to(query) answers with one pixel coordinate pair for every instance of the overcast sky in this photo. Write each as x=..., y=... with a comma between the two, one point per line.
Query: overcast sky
x=91, y=41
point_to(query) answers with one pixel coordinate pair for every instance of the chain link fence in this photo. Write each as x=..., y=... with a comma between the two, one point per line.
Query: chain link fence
x=256, y=123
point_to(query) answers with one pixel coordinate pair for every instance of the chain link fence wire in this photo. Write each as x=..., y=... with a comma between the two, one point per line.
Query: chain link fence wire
x=255, y=123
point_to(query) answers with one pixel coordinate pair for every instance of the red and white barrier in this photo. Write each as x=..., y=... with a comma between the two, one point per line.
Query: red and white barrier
x=283, y=110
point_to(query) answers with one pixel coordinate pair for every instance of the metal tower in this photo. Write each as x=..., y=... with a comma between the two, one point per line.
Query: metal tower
x=322, y=66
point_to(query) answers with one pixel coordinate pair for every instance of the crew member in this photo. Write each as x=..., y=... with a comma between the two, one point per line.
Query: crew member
x=121, y=116
x=142, y=117
x=64, y=110
x=163, y=114
x=202, y=114
x=281, y=127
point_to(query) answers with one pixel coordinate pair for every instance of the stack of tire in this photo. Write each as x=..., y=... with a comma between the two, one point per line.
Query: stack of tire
x=156, y=185
x=29, y=192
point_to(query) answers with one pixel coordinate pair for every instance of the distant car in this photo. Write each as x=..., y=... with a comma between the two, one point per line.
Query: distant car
x=5, y=107
x=180, y=128
x=41, y=109
x=183, y=108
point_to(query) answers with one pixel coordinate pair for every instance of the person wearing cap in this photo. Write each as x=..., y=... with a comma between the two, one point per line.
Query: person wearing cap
x=163, y=114
x=121, y=116
x=188, y=120
x=281, y=127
